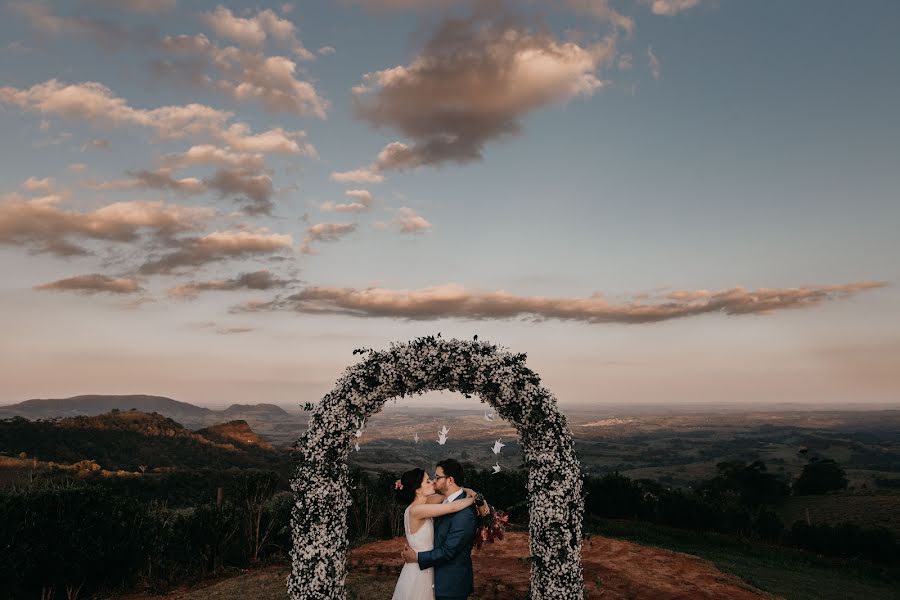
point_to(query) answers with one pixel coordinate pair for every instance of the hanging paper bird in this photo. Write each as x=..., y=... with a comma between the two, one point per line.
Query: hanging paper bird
x=442, y=440
x=489, y=417
x=496, y=468
x=444, y=431
x=416, y=437
x=497, y=446
x=356, y=446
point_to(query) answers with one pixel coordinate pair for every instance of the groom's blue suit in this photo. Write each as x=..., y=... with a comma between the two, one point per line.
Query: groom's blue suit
x=454, y=536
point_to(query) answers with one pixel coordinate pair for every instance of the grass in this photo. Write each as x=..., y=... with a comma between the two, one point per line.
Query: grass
x=786, y=572
x=874, y=510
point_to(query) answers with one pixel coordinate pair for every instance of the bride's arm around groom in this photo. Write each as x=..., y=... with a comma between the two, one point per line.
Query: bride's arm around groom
x=460, y=537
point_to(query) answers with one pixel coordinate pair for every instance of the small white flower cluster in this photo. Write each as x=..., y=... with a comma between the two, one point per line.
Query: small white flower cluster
x=497, y=377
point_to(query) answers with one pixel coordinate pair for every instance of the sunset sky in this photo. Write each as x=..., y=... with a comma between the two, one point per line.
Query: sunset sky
x=660, y=201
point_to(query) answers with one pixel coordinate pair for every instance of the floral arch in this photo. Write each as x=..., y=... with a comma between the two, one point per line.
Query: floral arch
x=497, y=377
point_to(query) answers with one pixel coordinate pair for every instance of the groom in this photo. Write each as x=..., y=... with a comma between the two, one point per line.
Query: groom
x=454, y=535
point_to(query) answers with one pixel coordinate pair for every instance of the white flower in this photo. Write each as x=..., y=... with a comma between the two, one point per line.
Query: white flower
x=498, y=378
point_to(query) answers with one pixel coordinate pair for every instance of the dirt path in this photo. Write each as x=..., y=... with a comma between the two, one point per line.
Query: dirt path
x=613, y=570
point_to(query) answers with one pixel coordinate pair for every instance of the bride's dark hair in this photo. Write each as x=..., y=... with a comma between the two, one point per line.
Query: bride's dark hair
x=409, y=483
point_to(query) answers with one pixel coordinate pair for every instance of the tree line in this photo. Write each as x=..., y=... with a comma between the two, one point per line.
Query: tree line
x=64, y=538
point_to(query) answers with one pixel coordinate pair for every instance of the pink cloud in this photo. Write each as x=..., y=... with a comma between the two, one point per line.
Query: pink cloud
x=456, y=302
x=472, y=84
x=93, y=284
x=41, y=225
x=217, y=246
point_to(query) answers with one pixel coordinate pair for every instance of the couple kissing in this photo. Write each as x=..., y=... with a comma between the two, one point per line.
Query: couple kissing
x=439, y=522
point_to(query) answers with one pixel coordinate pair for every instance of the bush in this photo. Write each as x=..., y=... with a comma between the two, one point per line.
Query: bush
x=847, y=540
x=751, y=484
x=614, y=496
x=60, y=538
x=820, y=476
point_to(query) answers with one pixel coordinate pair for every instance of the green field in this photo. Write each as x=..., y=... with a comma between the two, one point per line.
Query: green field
x=870, y=511
x=791, y=574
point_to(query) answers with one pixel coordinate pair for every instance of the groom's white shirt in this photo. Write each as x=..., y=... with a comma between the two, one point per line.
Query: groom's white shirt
x=453, y=497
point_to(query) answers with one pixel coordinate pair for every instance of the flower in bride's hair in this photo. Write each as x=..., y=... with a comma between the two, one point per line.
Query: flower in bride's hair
x=398, y=485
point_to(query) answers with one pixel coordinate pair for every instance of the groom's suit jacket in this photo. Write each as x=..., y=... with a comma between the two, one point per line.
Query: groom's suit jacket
x=454, y=536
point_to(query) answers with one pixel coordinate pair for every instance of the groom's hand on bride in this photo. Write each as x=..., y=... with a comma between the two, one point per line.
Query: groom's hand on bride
x=409, y=555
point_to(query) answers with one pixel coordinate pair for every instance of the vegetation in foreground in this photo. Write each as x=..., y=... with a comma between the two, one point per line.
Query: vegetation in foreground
x=158, y=522
x=787, y=572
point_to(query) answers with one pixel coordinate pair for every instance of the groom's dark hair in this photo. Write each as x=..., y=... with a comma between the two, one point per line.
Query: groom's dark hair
x=453, y=469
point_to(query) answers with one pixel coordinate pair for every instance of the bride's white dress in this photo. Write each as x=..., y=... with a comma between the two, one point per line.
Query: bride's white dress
x=415, y=584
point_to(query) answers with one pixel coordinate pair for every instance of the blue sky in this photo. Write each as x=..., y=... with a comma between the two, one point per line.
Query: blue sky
x=699, y=202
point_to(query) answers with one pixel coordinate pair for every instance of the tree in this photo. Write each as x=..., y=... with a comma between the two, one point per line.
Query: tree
x=820, y=476
x=254, y=490
x=751, y=485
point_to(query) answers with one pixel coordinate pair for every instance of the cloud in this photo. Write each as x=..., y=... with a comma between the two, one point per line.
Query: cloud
x=93, y=284
x=653, y=63
x=257, y=280
x=246, y=75
x=215, y=247
x=144, y=6
x=457, y=302
x=271, y=80
x=208, y=154
x=362, y=202
x=95, y=104
x=670, y=8
x=473, y=83
x=40, y=225
x=254, y=187
x=33, y=184
x=325, y=232
x=96, y=145
x=77, y=167
x=365, y=175
x=17, y=47
x=348, y=207
x=243, y=31
x=273, y=141
x=234, y=330
x=326, y=50
x=599, y=9
x=161, y=179
x=104, y=32
x=363, y=196
x=254, y=31
x=410, y=221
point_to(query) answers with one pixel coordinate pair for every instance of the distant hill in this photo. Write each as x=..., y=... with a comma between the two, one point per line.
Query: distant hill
x=258, y=411
x=89, y=405
x=132, y=439
x=189, y=415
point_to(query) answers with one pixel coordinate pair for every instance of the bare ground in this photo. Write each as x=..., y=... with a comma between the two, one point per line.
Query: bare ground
x=613, y=570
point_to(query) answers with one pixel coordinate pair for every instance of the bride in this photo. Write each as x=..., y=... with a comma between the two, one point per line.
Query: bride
x=416, y=489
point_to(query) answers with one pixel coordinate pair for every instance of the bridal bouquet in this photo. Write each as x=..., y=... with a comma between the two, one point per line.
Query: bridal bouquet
x=490, y=523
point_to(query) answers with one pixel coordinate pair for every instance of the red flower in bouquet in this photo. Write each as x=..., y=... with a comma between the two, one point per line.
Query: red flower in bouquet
x=490, y=523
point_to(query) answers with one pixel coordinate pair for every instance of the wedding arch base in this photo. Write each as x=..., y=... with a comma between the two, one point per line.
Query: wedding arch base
x=497, y=377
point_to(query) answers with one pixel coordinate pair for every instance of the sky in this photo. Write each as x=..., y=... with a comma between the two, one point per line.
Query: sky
x=659, y=201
